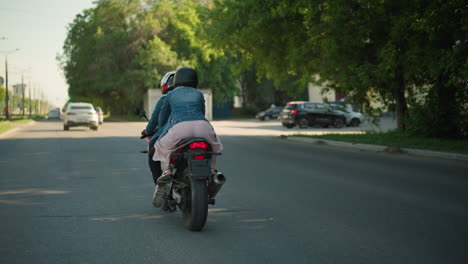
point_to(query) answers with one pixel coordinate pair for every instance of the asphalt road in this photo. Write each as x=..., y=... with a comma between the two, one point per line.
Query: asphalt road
x=85, y=197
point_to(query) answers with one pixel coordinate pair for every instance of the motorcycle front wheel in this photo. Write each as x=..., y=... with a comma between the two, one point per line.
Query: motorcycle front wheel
x=195, y=203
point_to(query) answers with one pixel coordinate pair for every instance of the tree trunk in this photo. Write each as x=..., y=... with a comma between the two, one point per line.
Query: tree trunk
x=248, y=83
x=401, y=108
x=398, y=92
x=447, y=114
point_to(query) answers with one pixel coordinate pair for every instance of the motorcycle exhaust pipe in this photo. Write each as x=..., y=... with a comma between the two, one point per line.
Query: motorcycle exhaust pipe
x=215, y=185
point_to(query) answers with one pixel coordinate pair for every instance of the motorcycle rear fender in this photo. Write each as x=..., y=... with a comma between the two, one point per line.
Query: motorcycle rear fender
x=200, y=169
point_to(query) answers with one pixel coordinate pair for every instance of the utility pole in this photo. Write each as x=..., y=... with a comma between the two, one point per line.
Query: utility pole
x=39, y=101
x=30, y=106
x=41, y=106
x=7, y=114
x=22, y=90
x=35, y=103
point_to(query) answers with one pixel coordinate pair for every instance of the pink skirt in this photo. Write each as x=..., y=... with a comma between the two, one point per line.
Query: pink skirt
x=187, y=129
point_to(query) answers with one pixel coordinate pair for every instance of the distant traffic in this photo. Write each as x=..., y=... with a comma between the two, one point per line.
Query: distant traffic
x=78, y=114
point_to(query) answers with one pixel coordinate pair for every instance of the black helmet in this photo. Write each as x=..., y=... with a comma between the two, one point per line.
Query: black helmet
x=186, y=76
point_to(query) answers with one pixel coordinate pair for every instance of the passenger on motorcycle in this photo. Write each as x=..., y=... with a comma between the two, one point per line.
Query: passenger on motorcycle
x=153, y=128
x=183, y=116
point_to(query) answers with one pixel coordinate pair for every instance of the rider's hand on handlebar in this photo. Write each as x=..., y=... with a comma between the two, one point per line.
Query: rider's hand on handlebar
x=143, y=133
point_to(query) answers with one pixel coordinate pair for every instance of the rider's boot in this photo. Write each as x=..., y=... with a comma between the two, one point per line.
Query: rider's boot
x=162, y=188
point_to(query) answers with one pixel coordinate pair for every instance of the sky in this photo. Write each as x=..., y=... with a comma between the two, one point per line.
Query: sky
x=37, y=28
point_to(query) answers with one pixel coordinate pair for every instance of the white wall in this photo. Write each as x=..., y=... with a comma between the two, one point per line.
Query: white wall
x=149, y=101
x=315, y=94
x=208, y=103
x=153, y=95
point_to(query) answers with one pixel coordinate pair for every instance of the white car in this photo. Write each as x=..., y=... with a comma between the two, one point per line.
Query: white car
x=100, y=114
x=80, y=114
x=353, y=119
x=54, y=114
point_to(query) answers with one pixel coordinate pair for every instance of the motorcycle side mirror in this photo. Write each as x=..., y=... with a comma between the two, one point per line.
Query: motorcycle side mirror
x=139, y=112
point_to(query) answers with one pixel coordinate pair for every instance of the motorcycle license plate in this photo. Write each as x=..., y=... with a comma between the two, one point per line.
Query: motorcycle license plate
x=200, y=168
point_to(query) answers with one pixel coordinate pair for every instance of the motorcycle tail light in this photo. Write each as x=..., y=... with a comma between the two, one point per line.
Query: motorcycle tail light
x=294, y=111
x=199, y=144
x=199, y=157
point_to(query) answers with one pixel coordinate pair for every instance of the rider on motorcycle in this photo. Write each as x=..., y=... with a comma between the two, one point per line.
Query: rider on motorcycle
x=183, y=116
x=153, y=128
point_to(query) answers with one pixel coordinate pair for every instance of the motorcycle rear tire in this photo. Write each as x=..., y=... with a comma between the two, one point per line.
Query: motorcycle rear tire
x=195, y=208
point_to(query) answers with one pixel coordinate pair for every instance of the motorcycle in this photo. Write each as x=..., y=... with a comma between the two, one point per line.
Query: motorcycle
x=192, y=186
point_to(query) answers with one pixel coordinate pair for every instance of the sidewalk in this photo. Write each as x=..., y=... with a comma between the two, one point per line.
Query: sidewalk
x=380, y=148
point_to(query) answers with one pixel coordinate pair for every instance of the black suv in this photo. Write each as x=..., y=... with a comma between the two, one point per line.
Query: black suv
x=305, y=114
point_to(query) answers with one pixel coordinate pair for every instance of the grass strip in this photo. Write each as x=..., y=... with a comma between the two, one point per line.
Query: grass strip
x=7, y=125
x=21, y=121
x=398, y=139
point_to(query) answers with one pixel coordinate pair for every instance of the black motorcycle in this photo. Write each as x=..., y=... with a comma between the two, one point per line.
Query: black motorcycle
x=192, y=186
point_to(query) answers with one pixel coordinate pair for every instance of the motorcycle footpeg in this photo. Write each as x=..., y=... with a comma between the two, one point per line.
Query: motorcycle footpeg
x=169, y=206
x=172, y=203
x=212, y=201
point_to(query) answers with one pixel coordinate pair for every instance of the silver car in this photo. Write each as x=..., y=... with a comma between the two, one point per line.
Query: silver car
x=54, y=114
x=353, y=119
x=100, y=114
x=80, y=114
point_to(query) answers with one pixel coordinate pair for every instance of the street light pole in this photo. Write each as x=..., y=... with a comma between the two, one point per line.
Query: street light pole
x=22, y=90
x=30, y=106
x=7, y=115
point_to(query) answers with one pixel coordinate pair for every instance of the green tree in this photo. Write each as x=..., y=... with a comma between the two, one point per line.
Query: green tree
x=109, y=55
x=2, y=94
x=116, y=51
x=357, y=46
x=186, y=34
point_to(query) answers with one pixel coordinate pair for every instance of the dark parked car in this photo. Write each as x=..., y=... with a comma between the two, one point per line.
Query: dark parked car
x=271, y=113
x=305, y=114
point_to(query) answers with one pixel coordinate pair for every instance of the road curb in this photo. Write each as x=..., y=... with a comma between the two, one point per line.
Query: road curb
x=16, y=128
x=380, y=148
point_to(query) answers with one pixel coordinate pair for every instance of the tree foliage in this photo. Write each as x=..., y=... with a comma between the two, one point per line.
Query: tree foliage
x=2, y=94
x=116, y=51
x=412, y=54
x=392, y=47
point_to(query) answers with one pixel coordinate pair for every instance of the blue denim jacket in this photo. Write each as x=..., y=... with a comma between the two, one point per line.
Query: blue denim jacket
x=153, y=125
x=181, y=104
